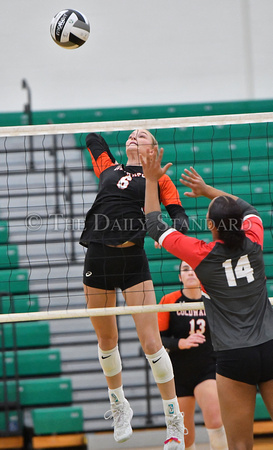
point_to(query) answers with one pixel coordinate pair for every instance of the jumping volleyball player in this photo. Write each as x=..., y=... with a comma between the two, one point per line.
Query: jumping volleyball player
x=240, y=316
x=114, y=236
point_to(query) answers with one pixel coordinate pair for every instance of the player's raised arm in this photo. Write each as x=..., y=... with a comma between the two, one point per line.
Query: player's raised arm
x=153, y=171
x=199, y=188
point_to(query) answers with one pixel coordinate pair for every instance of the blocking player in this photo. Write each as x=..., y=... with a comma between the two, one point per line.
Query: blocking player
x=231, y=270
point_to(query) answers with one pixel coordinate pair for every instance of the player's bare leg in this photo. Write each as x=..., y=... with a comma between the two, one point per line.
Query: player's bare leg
x=237, y=409
x=107, y=334
x=207, y=398
x=149, y=336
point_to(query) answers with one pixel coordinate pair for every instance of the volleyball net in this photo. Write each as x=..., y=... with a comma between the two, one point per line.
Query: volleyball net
x=47, y=185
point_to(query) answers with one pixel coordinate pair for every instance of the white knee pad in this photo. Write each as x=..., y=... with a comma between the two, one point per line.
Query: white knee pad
x=217, y=438
x=110, y=361
x=161, y=366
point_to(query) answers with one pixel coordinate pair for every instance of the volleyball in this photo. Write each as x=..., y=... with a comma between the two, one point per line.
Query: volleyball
x=70, y=28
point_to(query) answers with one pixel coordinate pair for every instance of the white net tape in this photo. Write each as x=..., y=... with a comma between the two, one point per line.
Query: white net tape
x=124, y=125
x=95, y=312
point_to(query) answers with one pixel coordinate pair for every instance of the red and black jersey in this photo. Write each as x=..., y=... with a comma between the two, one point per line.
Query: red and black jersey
x=238, y=309
x=117, y=214
x=180, y=324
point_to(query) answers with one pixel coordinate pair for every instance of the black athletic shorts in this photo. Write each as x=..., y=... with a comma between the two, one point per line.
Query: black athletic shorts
x=186, y=384
x=111, y=267
x=251, y=365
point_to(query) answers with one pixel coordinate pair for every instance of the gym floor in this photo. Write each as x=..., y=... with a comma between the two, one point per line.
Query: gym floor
x=154, y=439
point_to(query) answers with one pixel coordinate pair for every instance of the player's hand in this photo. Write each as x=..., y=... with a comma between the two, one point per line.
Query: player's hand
x=157, y=245
x=151, y=164
x=193, y=340
x=193, y=180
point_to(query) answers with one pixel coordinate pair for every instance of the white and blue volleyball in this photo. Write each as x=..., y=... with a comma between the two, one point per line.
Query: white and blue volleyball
x=70, y=28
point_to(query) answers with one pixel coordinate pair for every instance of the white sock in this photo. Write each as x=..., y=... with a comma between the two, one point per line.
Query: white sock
x=218, y=439
x=171, y=407
x=192, y=447
x=116, y=395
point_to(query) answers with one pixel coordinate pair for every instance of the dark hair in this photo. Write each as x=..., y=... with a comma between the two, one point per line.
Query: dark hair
x=180, y=265
x=228, y=218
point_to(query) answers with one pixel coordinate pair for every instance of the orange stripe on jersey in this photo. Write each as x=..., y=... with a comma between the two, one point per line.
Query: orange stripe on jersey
x=164, y=317
x=168, y=193
x=101, y=163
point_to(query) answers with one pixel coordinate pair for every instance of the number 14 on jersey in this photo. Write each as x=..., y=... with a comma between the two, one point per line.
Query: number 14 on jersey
x=242, y=269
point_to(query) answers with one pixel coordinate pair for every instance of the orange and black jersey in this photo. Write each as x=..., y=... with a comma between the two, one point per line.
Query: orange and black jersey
x=180, y=324
x=117, y=214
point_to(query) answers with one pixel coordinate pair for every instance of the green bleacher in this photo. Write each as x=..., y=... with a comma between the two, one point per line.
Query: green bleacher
x=42, y=391
x=14, y=281
x=9, y=257
x=19, y=303
x=142, y=112
x=30, y=371
x=30, y=363
x=261, y=412
x=4, y=231
x=238, y=171
x=20, y=335
x=57, y=420
x=164, y=271
x=11, y=422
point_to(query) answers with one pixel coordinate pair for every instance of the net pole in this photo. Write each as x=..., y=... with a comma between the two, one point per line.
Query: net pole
x=95, y=312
